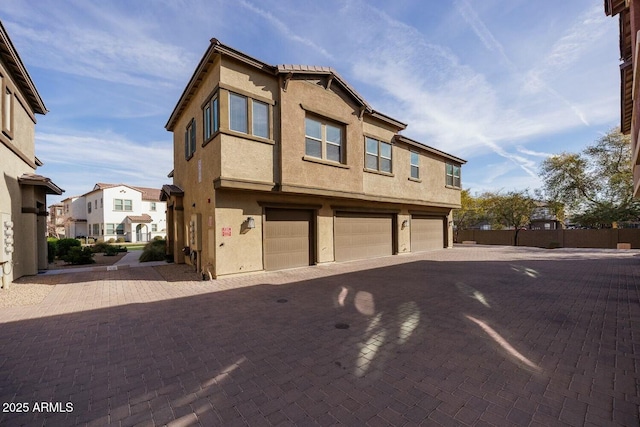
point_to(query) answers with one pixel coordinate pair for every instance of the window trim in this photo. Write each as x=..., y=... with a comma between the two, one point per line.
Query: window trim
x=7, y=113
x=379, y=156
x=190, y=140
x=453, y=176
x=324, y=122
x=416, y=165
x=250, y=127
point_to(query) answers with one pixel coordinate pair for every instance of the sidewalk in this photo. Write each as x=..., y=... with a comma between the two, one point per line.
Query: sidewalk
x=127, y=261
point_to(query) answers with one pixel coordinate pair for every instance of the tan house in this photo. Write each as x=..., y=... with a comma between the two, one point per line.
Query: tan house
x=23, y=207
x=55, y=223
x=285, y=166
x=628, y=12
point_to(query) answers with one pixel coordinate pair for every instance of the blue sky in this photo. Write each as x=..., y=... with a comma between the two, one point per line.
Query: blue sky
x=500, y=84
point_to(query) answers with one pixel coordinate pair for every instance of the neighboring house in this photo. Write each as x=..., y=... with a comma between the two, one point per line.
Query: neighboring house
x=543, y=218
x=55, y=224
x=23, y=193
x=74, y=217
x=116, y=211
x=284, y=166
x=629, y=18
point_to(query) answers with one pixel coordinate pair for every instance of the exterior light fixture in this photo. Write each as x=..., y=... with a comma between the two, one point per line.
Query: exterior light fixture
x=251, y=223
x=405, y=223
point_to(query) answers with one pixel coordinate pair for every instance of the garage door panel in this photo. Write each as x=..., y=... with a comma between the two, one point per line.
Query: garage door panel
x=286, y=239
x=360, y=236
x=427, y=233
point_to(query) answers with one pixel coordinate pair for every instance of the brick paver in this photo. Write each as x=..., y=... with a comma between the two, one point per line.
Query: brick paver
x=473, y=335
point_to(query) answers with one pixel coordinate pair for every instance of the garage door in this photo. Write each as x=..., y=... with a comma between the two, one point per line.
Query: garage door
x=287, y=238
x=359, y=236
x=427, y=233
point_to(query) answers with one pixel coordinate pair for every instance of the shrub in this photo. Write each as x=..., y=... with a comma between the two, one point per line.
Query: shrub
x=158, y=238
x=122, y=248
x=100, y=247
x=52, y=248
x=154, y=251
x=111, y=250
x=120, y=240
x=111, y=240
x=64, y=245
x=78, y=255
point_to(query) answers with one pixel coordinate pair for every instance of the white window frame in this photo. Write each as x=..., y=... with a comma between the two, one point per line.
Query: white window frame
x=453, y=175
x=415, y=156
x=324, y=142
x=378, y=155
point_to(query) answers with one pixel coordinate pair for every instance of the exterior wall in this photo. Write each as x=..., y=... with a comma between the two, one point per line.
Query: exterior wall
x=308, y=174
x=17, y=155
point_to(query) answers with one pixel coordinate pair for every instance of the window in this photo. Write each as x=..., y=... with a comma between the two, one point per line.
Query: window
x=95, y=204
x=101, y=203
x=122, y=205
x=260, y=119
x=89, y=207
x=153, y=206
x=256, y=123
x=154, y=227
x=238, y=113
x=415, y=165
x=453, y=175
x=211, y=118
x=323, y=140
x=378, y=155
x=96, y=229
x=111, y=229
x=120, y=229
x=190, y=140
x=7, y=111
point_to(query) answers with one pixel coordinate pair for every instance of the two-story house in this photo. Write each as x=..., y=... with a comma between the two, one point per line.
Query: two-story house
x=55, y=222
x=116, y=211
x=284, y=166
x=23, y=193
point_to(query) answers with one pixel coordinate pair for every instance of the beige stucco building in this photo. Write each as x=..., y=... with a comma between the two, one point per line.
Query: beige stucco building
x=285, y=166
x=23, y=207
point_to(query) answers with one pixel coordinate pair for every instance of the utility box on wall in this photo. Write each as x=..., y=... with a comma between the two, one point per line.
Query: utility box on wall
x=6, y=237
x=195, y=228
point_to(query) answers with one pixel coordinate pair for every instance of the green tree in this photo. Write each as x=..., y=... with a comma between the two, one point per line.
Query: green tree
x=596, y=184
x=513, y=209
x=470, y=213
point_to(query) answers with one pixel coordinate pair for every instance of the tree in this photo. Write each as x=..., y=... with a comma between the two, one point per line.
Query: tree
x=470, y=213
x=513, y=209
x=597, y=184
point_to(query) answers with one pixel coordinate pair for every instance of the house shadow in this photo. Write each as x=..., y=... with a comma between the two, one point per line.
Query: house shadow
x=412, y=338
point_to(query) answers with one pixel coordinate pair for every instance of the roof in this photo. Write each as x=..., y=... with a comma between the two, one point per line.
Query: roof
x=11, y=59
x=621, y=7
x=40, y=181
x=218, y=48
x=147, y=192
x=429, y=149
x=140, y=218
x=170, y=190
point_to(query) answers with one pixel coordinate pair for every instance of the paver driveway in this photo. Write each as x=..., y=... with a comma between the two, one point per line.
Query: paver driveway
x=467, y=336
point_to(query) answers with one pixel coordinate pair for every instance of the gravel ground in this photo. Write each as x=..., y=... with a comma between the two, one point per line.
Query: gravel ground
x=21, y=294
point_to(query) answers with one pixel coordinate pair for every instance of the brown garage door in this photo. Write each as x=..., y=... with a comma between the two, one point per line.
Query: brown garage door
x=287, y=239
x=427, y=233
x=359, y=236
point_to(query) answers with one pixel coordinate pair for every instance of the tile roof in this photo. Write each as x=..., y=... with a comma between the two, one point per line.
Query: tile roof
x=146, y=218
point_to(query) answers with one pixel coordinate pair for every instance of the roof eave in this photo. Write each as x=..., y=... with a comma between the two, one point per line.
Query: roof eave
x=429, y=149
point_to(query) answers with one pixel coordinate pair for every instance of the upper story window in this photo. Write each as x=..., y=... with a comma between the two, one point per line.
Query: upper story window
x=378, y=155
x=415, y=165
x=323, y=140
x=260, y=119
x=101, y=202
x=122, y=205
x=89, y=207
x=6, y=108
x=190, y=140
x=153, y=206
x=211, y=116
x=248, y=115
x=453, y=175
x=238, y=116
